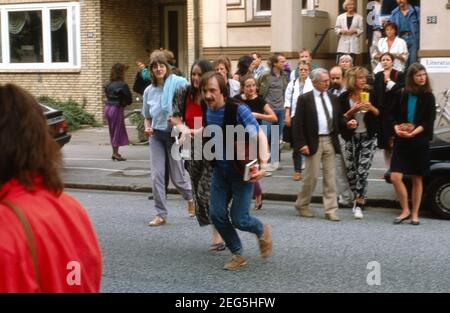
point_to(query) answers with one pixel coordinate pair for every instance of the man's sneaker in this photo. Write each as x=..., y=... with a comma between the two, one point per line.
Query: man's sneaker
x=191, y=208
x=157, y=221
x=236, y=262
x=357, y=213
x=265, y=242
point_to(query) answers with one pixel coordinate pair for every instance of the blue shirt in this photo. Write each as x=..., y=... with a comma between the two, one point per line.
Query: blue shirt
x=152, y=108
x=244, y=117
x=412, y=103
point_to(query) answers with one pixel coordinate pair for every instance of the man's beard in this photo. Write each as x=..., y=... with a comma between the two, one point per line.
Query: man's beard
x=335, y=86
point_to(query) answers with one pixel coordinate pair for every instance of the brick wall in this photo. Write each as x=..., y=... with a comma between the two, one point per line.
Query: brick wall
x=83, y=85
x=122, y=32
x=128, y=30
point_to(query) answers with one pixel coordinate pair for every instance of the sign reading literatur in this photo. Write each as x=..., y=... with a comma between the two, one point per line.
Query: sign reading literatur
x=436, y=65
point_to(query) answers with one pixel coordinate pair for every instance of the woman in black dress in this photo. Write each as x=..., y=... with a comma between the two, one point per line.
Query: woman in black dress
x=414, y=115
x=387, y=83
x=262, y=111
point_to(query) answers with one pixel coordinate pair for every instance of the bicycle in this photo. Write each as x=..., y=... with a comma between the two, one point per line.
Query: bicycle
x=137, y=137
x=443, y=109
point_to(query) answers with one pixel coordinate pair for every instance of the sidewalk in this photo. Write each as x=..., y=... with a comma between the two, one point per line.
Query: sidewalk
x=88, y=165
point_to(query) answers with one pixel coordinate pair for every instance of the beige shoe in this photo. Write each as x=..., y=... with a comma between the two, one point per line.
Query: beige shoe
x=191, y=208
x=236, y=262
x=332, y=217
x=297, y=176
x=305, y=212
x=265, y=242
x=157, y=221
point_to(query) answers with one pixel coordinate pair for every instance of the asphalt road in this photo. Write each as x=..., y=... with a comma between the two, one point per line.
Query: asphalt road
x=309, y=255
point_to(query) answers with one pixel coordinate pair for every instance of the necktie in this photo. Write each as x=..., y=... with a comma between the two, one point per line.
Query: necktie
x=327, y=114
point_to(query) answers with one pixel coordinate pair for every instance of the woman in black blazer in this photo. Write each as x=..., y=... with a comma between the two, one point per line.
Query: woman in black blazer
x=359, y=129
x=387, y=83
x=414, y=115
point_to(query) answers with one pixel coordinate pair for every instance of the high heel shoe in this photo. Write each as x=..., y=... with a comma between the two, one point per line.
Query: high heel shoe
x=117, y=158
x=258, y=206
x=399, y=220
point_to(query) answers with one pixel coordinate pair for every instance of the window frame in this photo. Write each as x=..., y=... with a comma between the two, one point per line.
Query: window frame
x=260, y=13
x=73, y=36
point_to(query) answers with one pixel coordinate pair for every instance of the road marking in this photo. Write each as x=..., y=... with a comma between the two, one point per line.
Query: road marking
x=370, y=179
x=107, y=170
x=91, y=159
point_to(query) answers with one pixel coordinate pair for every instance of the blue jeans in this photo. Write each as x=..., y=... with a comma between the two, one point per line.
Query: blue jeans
x=268, y=131
x=297, y=157
x=413, y=46
x=228, y=184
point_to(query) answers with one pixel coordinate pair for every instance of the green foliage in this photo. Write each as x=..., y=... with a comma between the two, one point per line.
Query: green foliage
x=74, y=114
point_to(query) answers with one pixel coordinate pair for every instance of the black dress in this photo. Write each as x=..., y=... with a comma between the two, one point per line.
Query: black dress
x=256, y=105
x=411, y=156
x=385, y=102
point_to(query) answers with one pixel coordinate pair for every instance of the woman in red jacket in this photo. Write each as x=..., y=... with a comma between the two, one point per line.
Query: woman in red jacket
x=47, y=242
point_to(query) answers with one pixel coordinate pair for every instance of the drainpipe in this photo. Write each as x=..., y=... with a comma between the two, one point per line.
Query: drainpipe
x=196, y=29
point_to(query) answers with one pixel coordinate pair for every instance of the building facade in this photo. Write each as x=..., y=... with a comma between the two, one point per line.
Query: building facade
x=65, y=49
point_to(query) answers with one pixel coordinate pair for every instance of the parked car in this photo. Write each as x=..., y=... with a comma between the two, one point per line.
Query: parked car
x=57, y=124
x=436, y=194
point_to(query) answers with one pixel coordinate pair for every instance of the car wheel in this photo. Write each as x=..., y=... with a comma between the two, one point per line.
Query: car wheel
x=439, y=196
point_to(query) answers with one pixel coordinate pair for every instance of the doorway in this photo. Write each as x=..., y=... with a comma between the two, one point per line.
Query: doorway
x=175, y=33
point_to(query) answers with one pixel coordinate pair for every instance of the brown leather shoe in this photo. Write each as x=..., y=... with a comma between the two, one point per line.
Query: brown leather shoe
x=157, y=221
x=191, y=208
x=305, y=212
x=332, y=217
x=265, y=242
x=236, y=262
x=297, y=176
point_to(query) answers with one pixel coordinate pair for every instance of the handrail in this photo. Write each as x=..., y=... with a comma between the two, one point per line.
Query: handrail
x=319, y=43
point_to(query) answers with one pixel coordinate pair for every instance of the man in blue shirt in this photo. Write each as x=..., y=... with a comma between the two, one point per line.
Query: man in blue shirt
x=407, y=18
x=227, y=181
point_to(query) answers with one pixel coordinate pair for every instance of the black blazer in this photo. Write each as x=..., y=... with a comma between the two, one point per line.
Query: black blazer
x=371, y=120
x=305, y=127
x=424, y=115
x=384, y=97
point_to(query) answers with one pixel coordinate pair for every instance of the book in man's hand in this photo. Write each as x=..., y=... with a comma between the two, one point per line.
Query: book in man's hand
x=250, y=168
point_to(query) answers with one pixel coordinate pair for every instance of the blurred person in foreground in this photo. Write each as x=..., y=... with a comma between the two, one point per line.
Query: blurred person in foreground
x=47, y=242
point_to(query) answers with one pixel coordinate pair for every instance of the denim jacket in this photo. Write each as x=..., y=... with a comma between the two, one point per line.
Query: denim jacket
x=413, y=18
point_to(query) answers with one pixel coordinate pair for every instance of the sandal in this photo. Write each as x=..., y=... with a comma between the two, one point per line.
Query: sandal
x=217, y=247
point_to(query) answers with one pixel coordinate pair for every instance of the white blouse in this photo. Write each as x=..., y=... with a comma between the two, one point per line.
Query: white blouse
x=398, y=47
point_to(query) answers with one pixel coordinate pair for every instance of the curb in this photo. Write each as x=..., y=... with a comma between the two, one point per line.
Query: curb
x=380, y=203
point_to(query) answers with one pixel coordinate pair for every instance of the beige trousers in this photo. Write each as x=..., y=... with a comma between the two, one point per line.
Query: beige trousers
x=325, y=155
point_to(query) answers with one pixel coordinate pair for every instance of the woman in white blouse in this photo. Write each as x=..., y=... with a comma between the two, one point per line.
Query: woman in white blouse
x=394, y=45
x=349, y=26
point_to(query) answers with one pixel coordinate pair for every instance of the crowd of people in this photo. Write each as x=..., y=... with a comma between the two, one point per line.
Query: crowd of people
x=333, y=120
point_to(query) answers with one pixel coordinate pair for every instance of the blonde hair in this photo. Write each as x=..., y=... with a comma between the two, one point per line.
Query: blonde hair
x=352, y=74
x=347, y=2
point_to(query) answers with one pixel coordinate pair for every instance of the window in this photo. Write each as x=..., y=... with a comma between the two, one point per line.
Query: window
x=262, y=7
x=40, y=36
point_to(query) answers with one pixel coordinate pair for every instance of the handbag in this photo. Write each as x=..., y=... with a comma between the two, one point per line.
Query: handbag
x=30, y=238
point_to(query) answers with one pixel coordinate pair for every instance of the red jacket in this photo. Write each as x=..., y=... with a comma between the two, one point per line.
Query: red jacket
x=68, y=252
